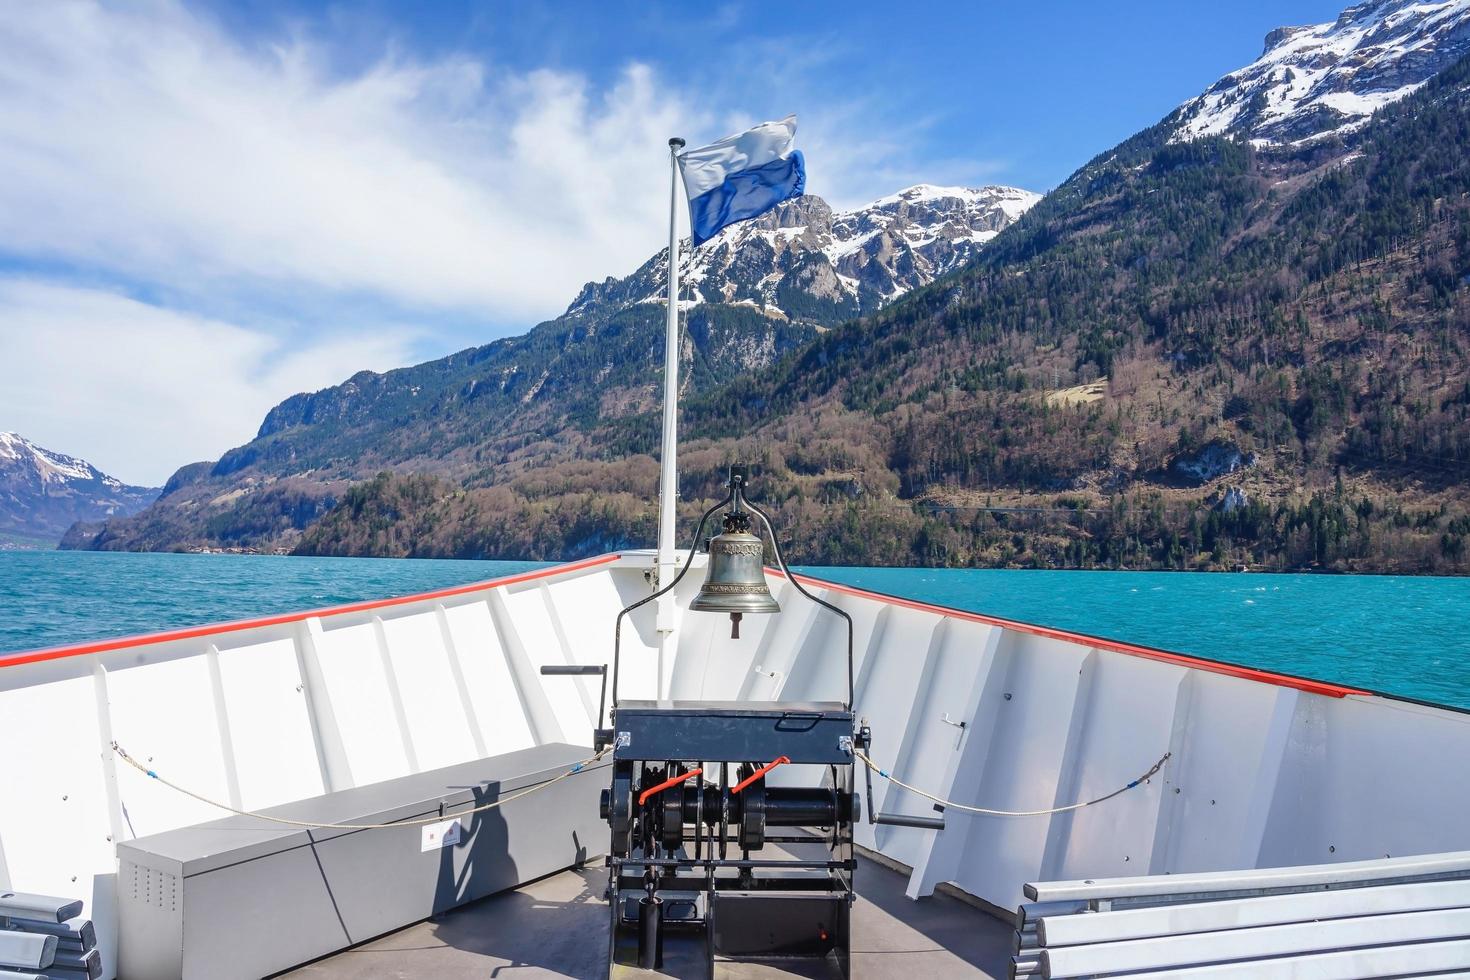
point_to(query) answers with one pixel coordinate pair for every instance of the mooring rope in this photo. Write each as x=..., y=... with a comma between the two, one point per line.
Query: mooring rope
x=123, y=755
x=948, y=804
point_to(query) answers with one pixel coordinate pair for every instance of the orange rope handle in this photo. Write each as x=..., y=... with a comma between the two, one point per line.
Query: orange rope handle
x=675, y=781
x=758, y=774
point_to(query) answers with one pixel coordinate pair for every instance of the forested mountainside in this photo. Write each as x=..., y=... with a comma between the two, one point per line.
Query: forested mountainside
x=751, y=295
x=1192, y=354
x=1196, y=353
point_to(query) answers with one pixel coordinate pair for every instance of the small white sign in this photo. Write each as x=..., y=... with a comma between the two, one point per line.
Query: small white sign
x=446, y=833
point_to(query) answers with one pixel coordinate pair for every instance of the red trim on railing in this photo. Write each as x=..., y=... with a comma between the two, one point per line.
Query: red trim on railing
x=1132, y=650
x=215, y=629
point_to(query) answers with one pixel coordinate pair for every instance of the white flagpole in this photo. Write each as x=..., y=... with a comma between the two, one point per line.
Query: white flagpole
x=668, y=487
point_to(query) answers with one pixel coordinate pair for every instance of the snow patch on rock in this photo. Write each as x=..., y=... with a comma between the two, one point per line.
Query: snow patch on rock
x=1330, y=78
x=806, y=261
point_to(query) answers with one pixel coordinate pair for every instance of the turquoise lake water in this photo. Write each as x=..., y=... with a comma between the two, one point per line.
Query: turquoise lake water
x=1399, y=635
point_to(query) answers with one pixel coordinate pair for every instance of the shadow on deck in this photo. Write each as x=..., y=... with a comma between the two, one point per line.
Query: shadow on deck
x=557, y=927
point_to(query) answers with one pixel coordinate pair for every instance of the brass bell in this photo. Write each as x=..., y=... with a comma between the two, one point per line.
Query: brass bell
x=735, y=581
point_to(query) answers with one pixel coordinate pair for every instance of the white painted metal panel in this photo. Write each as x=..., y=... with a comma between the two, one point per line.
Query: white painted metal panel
x=585, y=638
x=539, y=639
x=755, y=668
x=1024, y=765
x=1395, y=810
x=1125, y=722
x=56, y=822
x=540, y=716
x=364, y=702
x=648, y=661
x=433, y=701
x=820, y=672
x=1234, y=736
x=498, y=707
x=932, y=738
x=583, y=606
x=271, y=748
x=814, y=669
x=941, y=854
x=891, y=677
x=164, y=714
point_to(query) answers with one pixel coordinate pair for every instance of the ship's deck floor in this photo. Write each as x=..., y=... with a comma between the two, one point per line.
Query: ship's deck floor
x=557, y=927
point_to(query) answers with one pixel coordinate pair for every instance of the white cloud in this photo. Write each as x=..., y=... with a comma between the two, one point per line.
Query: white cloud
x=142, y=141
x=139, y=390
x=246, y=183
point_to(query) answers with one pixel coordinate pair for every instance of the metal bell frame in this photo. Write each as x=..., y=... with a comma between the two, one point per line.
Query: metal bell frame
x=739, y=477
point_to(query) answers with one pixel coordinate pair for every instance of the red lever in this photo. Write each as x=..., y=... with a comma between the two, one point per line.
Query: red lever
x=758, y=774
x=675, y=781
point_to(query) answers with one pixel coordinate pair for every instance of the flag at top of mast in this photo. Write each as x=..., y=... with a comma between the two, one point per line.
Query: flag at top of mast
x=733, y=179
x=741, y=176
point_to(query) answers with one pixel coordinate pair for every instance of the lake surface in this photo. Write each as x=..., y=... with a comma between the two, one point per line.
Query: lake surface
x=1400, y=635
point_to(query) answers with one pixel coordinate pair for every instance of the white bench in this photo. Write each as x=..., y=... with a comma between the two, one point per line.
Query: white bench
x=1386, y=918
x=239, y=897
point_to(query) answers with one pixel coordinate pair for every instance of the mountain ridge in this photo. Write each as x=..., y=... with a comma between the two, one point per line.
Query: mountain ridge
x=43, y=493
x=1324, y=80
x=1191, y=355
x=489, y=409
x=1215, y=352
x=843, y=263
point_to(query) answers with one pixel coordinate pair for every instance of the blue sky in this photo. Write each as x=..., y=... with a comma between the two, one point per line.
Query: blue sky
x=1017, y=93
x=210, y=206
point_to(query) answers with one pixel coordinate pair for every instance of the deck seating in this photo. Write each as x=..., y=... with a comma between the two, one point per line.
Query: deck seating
x=44, y=937
x=1384, y=918
x=195, y=901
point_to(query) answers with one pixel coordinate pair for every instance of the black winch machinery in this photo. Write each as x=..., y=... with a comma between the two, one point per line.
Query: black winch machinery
x=710, y=860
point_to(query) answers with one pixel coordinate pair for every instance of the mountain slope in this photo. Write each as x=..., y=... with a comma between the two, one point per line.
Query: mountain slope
x=1196, y=353
x=42, y=493
x=1203, y=354
x=753, y=294
x=1330, y=78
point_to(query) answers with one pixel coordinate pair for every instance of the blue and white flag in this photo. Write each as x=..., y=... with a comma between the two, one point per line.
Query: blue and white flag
x=741, y=176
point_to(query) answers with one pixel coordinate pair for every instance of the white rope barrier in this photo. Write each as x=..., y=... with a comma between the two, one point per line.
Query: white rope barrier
x=950, y=804
x=947, y=804
x=123, y=755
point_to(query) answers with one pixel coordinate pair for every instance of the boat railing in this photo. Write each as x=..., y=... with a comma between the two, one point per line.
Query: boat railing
x=1387, y=917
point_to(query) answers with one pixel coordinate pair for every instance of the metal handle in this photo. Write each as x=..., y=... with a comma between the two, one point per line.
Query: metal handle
x=904, y=820
x=584, y=670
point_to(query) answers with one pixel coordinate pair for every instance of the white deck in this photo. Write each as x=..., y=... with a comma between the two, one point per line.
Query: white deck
x=1266, y=771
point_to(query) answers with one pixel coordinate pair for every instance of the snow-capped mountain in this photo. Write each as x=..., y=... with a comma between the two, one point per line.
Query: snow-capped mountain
x=1329, y=78
x=804, y=261
x=42, y=493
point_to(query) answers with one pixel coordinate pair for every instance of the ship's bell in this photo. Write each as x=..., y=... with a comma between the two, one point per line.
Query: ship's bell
x=735, y=581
